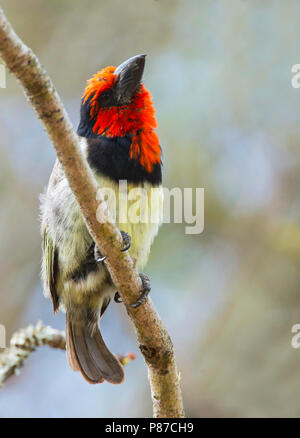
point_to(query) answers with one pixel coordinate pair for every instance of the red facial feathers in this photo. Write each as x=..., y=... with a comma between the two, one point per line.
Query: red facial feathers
x=137, y=118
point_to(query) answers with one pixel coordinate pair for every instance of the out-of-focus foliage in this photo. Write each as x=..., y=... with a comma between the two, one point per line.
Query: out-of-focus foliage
x=220, y=74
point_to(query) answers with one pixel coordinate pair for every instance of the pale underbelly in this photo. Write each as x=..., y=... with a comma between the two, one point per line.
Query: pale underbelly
x=142, y=230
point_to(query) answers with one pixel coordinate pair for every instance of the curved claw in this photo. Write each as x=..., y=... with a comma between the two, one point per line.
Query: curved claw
x=126, y=241
x=144, y=292
x=98, y=256
x=117, y=298
x=101, y=259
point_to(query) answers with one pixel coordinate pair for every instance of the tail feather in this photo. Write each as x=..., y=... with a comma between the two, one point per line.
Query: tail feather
x=87, y=353
x=70, y=348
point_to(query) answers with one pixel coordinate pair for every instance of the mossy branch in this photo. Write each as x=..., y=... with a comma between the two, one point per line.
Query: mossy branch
x=26, y=340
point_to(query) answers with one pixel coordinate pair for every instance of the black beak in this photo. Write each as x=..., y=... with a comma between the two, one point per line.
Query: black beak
x=130, y=74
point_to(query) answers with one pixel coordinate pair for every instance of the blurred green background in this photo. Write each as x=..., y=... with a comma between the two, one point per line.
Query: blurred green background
x=220, y=75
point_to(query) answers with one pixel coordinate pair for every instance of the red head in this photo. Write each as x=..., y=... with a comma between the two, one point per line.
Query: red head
x=115, y=103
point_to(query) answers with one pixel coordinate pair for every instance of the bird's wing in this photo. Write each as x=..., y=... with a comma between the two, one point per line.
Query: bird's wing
x=51, y=267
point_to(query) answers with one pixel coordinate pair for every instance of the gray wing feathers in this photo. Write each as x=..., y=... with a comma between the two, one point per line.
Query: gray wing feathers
x=87, y=352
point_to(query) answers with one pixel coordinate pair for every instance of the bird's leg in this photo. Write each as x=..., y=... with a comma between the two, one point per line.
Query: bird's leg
x=126, y=241
x=146, y=287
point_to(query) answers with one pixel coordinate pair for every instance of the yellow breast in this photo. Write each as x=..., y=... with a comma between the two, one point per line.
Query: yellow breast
x=137, y=210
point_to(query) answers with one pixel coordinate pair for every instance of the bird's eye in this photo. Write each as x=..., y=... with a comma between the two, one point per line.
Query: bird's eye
x=105, y=96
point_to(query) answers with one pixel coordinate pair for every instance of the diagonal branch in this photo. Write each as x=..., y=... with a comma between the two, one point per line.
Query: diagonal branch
x=154, y=341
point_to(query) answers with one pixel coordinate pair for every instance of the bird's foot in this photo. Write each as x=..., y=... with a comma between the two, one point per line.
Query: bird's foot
x=146, y=287
x=97, y=254
x=126, y=241
x=126, y=245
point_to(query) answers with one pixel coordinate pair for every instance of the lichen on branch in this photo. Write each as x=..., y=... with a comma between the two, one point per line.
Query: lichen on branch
x=26, y=340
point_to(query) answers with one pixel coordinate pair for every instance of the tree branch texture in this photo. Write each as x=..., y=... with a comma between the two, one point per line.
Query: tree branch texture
x=26, y=340
x=154, y=341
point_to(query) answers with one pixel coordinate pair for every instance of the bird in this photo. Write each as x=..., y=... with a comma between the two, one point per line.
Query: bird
x=117, y=136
